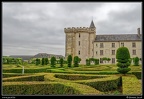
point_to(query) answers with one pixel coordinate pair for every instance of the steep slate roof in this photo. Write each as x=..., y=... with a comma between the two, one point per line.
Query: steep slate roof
x=92, y=24
x=120, y=37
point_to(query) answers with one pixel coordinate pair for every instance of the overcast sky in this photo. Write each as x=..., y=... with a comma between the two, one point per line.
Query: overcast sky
x=29, y=28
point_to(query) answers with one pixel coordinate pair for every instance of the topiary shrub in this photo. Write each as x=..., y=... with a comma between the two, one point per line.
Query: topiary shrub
x=69, y=60
x=136, y=61
x=123, y=57
x=76, y=61
x=53, y=61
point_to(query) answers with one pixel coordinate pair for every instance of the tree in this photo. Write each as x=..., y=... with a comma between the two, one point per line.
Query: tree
x=43, y=61
x=136, y=61
x=69, y=60
x=88, y=62
x=53, y=61
x=123, y=57
x=76, y=61
x=96, y=61
x=61, y=62
x=46, y=61
x=37, y=61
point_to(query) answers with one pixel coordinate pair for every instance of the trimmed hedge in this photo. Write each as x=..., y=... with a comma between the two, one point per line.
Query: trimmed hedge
x=77, y=76
x=137, y=74
x=25, y=70
x=47, y=88
x=35, y=88
x=102, y=84
x=81, y=72
x=6, y=75
x=37, y=77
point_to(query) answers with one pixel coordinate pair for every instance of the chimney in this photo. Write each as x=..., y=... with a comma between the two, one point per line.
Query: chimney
x=138, y=31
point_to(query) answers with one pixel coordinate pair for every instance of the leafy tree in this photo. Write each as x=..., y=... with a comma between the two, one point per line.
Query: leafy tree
x=53, y=61
x=46, y=61
x=123, y=57
x=61, y=62
x=96, y=61
x=43, y=61
x=69, y=60
x=136, y=61
x=76, y=61
x=87, y=62
x=37, y=61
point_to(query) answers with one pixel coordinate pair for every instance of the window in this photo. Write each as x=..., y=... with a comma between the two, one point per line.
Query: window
x=113, y=44
x=96, y=52
x=122, y=44
x=134, y=52
x=133, y=44
x=79, y=35
x=113, y=52
x=96, y=45
x=101, y=52
x=113, y=60
x=101, y=45
x=101, y=60
x=79, y=43
x=79, y=52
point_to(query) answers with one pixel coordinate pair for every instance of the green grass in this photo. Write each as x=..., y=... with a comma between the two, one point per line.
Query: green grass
x=131, y=85
x=11, y=70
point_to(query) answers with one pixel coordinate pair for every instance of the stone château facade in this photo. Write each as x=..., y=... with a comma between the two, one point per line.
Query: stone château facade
x=84, y=43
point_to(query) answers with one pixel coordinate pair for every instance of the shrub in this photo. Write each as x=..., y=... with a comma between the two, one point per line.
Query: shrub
x=76, y=61
x=53, y=60
x=123, y=57
x=61, y=62
x=136, y=61
x=69, y=60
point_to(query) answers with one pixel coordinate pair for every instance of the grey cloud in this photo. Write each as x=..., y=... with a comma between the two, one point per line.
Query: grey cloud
x=124, y=21
x=30, y=28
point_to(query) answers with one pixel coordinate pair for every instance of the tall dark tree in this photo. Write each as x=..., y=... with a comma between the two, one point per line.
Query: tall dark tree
x=123, y=57
x=43, y=61
x=136, y=61
x=53, y=61
x=46, y=61
x=61, y=62
x=76, y=61
x=69, y=60
x=37, y=61
x=88, y=62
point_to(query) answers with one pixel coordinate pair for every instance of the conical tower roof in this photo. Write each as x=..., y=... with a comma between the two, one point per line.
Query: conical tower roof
x=92, y=24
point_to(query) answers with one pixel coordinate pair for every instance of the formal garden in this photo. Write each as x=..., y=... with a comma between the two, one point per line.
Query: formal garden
x=67, y=77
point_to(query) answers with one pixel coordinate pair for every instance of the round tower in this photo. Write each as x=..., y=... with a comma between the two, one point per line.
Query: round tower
x=79, y=42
